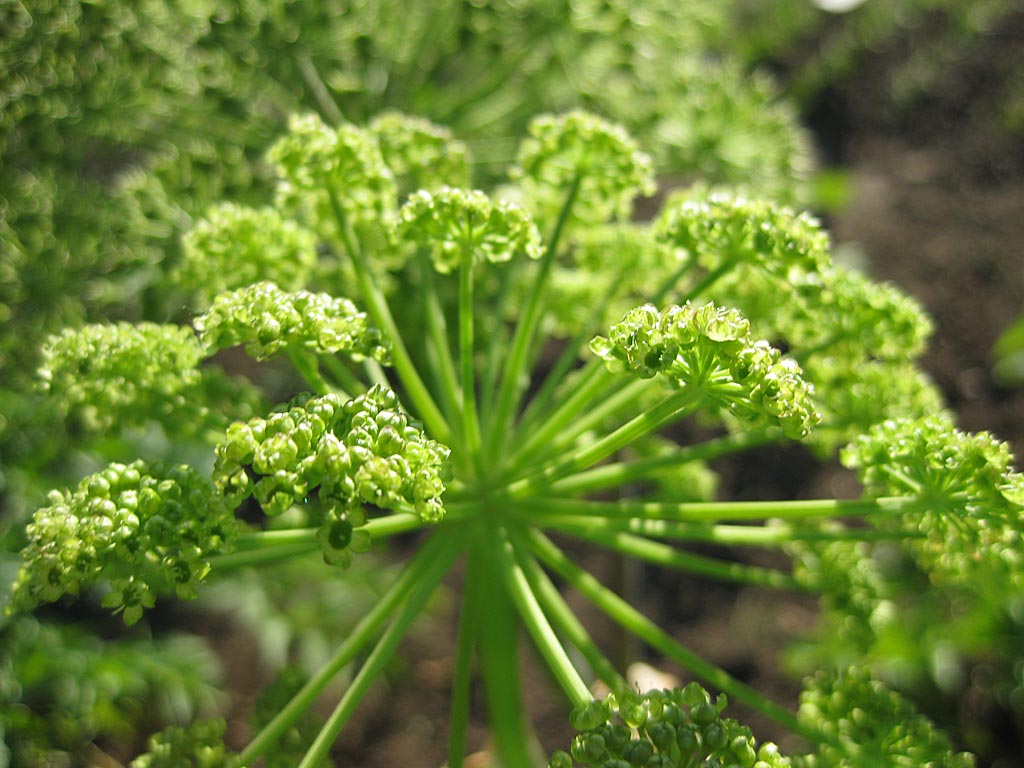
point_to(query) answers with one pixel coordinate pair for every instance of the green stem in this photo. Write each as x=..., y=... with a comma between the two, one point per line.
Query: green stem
x=617, y=474
x=568, y=357
x=379, y=310
x=499, y=667
x=379, y=657
x=709, y=280
x=658, y=553
x=422, y=564
x=470, y=418
x=564, y=618
x=516, y=369
x=673, y=407
x=255, y=557
x=712, y=511
x=462, y=677
x=635, y=622
x=536, y=623
x=739, y=535
x=437, y=335
x=342, y=375
x=310, y=371
x=498, y=340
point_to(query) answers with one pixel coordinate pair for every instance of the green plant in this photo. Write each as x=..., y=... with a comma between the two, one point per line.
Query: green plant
x=428, y=407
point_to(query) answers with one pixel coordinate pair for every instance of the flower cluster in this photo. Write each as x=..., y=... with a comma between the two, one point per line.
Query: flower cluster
x=420, y=154
x=680, y=728
x=458, y=224
x=233, y=246
x=146, y=529
x=863, y=723
x=971, y=500
x=121, y=374
x=710, y=349
x=200, y=745
x=580, y=149
x=345, y=456
x=724, y=230
x=268, y=321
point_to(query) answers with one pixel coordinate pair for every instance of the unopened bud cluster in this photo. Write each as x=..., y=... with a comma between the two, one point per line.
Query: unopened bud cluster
x=710, y=348
x=146, y=530
x=345, y=456
x=680, y=728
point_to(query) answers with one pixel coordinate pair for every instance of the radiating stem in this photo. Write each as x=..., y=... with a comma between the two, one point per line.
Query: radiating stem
x=426, y=561
x=379, y=310
x=462, y=677
x=540, y=629
x=635, y=622
x=310, y=371
x=437, y=333
x=470, y=417
x=517, y=365
x=380, y=656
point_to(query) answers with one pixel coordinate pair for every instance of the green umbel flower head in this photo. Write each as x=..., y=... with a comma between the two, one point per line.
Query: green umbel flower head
x=268, y=321
x=710, y=349
x=234, y=247
x=680, y=728
x=200, y=745
x=458, y=224
x=345, y=456
x=863, y=723
x=420, y=154
x=147, y=530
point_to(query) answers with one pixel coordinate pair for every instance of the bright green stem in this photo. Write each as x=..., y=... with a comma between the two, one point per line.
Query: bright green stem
x=342, y=375
x=564, y=618
x=498, y=340
x=711, y=511
x=516, y=368
x=379, y=657
x=619, y=473
x=470, y=417
x=608, y=407
x=426, y=563
x=740, y=535
x=379, y=310
x=536, y=622
x=567, y=358
x=669, y=409
x=557, y=423
x=437, y=333
x=665, y=555
x=263, y=556
x=709, y=280
x=462, y=677
x=635, y=622
x=499, y=666
x=310, y=371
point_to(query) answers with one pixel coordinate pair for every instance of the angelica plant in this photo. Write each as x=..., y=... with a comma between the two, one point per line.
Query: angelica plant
x=430, y=406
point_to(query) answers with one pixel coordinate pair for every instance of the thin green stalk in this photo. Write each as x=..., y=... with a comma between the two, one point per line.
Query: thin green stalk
x=328, y=108
x=738, y=535
x=516, y=368
x=671, y=281
x=309, y=369
x=709, y=280
x=498, y=340
x=248, y=558
x=570, y=354
x=669, y=409
x=616, y=474
x=658, y=553
x=563, y=617
x=462, y=677
x=558, y=423
x=499, y=667
x=379, y=657
x=638, y=624
x=561, y=436
x=537, y=624
x=423, y=563
x=437, y=335
x=379, y=310
x=713, y=511
x=342, y=376
x=470, y=417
